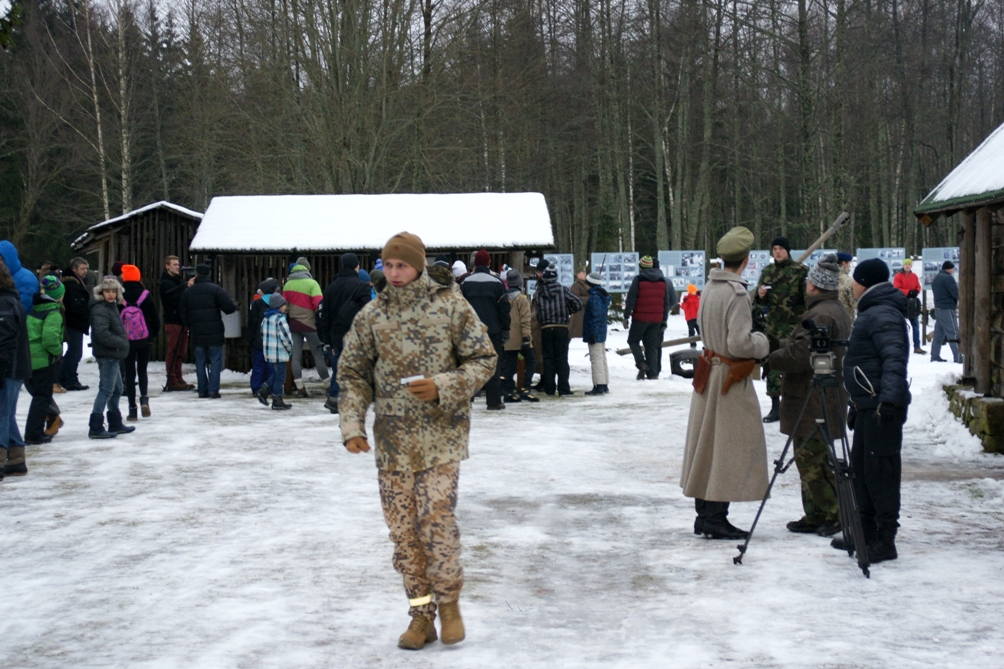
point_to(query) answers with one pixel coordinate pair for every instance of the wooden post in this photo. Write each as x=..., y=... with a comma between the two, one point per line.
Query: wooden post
x=966, y=269
x=982, y=287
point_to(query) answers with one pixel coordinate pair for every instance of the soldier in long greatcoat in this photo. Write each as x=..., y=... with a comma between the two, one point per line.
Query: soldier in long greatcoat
x=726, y=454
x=418, y=352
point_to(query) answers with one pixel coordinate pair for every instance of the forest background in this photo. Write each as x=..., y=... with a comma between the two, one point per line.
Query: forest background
x=647, y=124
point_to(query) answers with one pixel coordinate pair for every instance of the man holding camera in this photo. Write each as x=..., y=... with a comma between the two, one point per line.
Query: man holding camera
x=794, y=361
x=172, y=285
x=782, y=291
x=875, y=380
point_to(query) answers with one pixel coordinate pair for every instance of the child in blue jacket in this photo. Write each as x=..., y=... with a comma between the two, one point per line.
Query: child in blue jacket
x=277, y=345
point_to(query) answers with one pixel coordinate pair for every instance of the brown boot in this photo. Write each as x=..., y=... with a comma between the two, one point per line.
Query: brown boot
x=420, y=632
x=451, y=624
x=15, y=465
x=52, y=425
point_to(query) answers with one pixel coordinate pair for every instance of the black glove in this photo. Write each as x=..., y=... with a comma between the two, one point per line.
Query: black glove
x=505, y=335
x=627, y=324
x=526, y=341
x=765, y=371
x=662, y=328
x=852, y=416
x=888, y=414
x=774, y=342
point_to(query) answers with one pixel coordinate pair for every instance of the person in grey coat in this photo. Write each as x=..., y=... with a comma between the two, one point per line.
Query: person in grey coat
x=111, y=346
x=946, y=302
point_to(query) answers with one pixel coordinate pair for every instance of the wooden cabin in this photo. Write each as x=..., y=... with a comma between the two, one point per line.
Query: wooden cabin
x=975, y=191
x=143, y=237
x=250, y=238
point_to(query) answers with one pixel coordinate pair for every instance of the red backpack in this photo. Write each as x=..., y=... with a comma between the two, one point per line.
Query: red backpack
x=133, y=319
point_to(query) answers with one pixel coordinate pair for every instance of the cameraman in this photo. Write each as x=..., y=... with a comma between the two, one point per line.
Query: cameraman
x=793, y=360
x=875, y=379
x=172, y=285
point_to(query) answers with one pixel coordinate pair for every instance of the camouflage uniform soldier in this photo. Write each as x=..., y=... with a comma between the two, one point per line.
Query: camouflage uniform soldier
x=847, y=284
x=782, y=291
x=418, y=326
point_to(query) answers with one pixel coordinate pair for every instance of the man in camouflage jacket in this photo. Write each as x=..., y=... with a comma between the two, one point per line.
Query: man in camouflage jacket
x=418, y=326
x=782, y=291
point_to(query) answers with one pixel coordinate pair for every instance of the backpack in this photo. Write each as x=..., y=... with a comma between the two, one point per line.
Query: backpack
x=133, y=319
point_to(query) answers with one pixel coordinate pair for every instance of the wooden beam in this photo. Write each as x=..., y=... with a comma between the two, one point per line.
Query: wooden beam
x=982, y=287
x=967, y=264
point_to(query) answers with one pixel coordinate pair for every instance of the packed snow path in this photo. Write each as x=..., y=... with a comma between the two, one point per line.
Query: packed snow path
x=223, y=534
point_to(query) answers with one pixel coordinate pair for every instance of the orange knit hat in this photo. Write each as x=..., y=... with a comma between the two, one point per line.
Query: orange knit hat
x=130, y=273
x=692, y=289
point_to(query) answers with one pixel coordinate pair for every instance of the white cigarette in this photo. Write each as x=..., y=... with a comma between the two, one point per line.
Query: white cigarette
x=408, y=379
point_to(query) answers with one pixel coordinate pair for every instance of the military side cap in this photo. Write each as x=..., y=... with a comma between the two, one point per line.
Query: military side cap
x=736, y=244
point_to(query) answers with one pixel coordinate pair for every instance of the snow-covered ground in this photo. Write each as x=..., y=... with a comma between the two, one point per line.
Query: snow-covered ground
x=223, y=534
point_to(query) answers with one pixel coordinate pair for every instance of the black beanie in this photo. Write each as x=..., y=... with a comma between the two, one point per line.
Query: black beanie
x=871, y=272
x=782, y=242
x=348, y=260
x=948, y=264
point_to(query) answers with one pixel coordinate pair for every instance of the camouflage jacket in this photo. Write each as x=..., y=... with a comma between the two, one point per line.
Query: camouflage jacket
x=426, y=328
x=847, y=292
x=785, y=300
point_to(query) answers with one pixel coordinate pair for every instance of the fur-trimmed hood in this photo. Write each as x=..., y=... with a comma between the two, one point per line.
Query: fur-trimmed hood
x=108, y=281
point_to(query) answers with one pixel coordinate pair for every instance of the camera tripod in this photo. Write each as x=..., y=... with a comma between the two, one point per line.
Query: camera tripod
x=823, y=379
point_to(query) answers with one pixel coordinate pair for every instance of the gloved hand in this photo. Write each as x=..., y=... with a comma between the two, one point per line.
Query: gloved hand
x=852, y=416
x=765, y=371
x=424, y=390
x=662, y=328
x=505, y=336
x=357, y=445
x=774, y=342
x=526, y=341
x=888, y=414
x=627, y=324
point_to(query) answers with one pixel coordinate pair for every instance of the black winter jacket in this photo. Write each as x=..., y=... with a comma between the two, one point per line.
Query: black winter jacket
x=133, y=289
x=343, y=298
x=171, y=289
x=879, y=348
x=15, y=356
x=257, y=315
x=108, y=335
x=946, y=291
x=554, y=304
x=76, y=303
x=200, y=308
x=488, y=297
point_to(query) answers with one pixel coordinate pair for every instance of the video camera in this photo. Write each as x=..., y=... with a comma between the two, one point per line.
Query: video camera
x=188, y=273
x=821, y=345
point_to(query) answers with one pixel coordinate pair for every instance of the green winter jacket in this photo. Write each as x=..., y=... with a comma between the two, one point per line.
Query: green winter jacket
x=45, y=331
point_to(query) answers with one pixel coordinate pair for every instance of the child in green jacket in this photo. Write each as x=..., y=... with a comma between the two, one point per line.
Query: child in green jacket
x=45, y=340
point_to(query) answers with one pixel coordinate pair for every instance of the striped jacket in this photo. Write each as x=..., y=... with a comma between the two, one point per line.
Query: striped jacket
x=276, y=341
x=304, y=297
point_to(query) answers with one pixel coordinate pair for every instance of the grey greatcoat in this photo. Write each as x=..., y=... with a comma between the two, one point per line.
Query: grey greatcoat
x=726, y=455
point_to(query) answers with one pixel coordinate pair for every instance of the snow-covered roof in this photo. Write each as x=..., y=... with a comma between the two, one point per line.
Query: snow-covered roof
x=977, y=180
x=163, y=204
x=281, y=223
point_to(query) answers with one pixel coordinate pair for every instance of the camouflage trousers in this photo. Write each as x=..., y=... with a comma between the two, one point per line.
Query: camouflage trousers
x=418, y=508
x=774, y=383
x=819, y=495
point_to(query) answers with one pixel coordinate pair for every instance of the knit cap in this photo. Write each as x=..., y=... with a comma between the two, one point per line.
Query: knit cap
x=364, y=276
x=375, y=276
x=908, y=263
x=782, y=242
x=268, y=286
x=53, y=287
x=595, y=279
x=543, y=264
x=442, y=260
x=550, y=274
x=482, y=259
x=347, y=261
x=276, y=300
x=459, y=269
x=131, y=273
x=407, y=247
x=646, y=262
x=825, y=275
x=303, y=261
x=691, y=289
x=203, y=270
x=117, y=267
x=948, y=264
x=871, y=272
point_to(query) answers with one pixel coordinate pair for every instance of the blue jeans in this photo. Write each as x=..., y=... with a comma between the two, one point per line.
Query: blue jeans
x=213, y=356
x=915, y=324
x=946, y=327
x=10, y=433
x=74, y=352
x=336, y=353
x=110, y=386
x=259, y=369
x=276, y=377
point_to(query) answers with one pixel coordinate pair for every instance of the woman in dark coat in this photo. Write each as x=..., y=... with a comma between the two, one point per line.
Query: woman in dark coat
x=135, y=294
x=15, y=367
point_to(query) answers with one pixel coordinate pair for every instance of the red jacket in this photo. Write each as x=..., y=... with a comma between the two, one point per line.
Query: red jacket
x=691, y=303
x=906, y=281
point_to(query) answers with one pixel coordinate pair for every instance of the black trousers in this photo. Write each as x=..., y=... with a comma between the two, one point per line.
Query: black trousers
x=693, y=330
x=40, y=388
x=649, y=335
x=878, y=468
x=554, y=342
x=493, y=389
x=510, y=363
x=135, y=364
